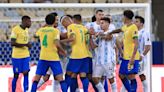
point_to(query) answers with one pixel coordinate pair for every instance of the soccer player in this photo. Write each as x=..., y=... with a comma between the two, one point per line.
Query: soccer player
x=106, y=61
x=130, y=62
x=144, y=48
x=20, y=52
x=77, y=19
x=78, y=59
x=56, y=84
x=49, y=58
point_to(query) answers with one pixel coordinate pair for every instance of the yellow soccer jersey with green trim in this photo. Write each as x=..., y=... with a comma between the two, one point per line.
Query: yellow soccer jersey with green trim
x=130, y=32
x=79, y=49
x=47, y=36
x=22, y=37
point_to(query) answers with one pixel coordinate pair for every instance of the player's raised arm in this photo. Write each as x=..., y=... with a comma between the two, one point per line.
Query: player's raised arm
x=59, y=47
x=70, y=39
x=119, y=46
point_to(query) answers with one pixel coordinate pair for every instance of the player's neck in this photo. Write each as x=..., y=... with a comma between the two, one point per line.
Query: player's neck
x=98, y=22
x=129, y=23
x=139, y=28
x=23, y=27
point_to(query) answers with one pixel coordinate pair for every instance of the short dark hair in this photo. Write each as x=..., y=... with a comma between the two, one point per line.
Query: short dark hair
x=99, y=11
x=106, y=19
x=69, y=16
x=129, y=14
x=142, y=20
x=54, y=13
x=50, y=19
x=25, y=17
x=77, y=17
x=93, y=18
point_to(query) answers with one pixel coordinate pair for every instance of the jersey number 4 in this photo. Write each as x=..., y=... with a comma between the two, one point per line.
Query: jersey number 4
x=44, y=42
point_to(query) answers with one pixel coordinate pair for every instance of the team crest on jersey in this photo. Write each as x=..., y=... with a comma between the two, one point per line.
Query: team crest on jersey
x=148, y=39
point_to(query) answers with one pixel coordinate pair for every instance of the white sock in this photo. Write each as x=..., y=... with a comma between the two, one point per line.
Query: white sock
x=56, y=86
x=114, y=87
x=123, y=89
x=100, y=87
x=41, y=82
x=144, y=84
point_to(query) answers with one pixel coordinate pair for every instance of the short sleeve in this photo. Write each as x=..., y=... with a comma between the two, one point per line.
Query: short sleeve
x=123, y=28
x=147, y=39
x=37, y=34
x=13, y=33
x=70, y=31
x=57, y=34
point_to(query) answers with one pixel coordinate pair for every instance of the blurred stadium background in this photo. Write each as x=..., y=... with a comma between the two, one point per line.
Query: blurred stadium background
x=74, y=1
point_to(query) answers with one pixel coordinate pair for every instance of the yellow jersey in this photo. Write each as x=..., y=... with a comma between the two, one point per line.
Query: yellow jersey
x=78, y=47
x=47, y=36
x=130, y=32
x=22, y=37
x=87, y=36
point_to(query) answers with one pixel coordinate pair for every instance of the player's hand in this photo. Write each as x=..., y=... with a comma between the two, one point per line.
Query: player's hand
x=101, y=34
x=63, y=53
x=109, y=37
x=92, y=31
x=131, y=61
x=29, y=45
x=141, y=58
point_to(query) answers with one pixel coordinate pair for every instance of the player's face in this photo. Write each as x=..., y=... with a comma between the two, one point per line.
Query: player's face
x=99, y=15
x=56, y=21
x=124, y=19
x=66, y=22
x=104, y=25
x=27, y=23
x=138, y=23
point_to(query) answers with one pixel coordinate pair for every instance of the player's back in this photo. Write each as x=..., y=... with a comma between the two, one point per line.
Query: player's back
x=79, y=45
x=47, y=36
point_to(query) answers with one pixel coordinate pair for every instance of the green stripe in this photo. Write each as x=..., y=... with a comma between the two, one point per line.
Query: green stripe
x=135, y=37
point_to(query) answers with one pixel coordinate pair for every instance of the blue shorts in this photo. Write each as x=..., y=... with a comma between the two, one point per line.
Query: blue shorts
x=90, y=65
x=44, y=65
x=20, y=65
x=78, y=65
x=124, y=67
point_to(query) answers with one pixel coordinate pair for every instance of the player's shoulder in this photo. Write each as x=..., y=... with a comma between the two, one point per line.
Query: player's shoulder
x=16, y=27
x=134, y=26
x=72, y=26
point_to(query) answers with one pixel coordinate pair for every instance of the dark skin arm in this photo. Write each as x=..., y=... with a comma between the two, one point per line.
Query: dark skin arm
x=60, y=48
x=13, y=43
x=69, y=40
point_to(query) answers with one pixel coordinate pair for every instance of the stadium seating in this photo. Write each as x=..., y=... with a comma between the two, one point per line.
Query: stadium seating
x=73, y=1
x=15, y=1
x=86, y=1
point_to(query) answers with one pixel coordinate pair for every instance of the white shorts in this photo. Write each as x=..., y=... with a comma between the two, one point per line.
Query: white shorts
x=142, y=67
x=107, y=70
